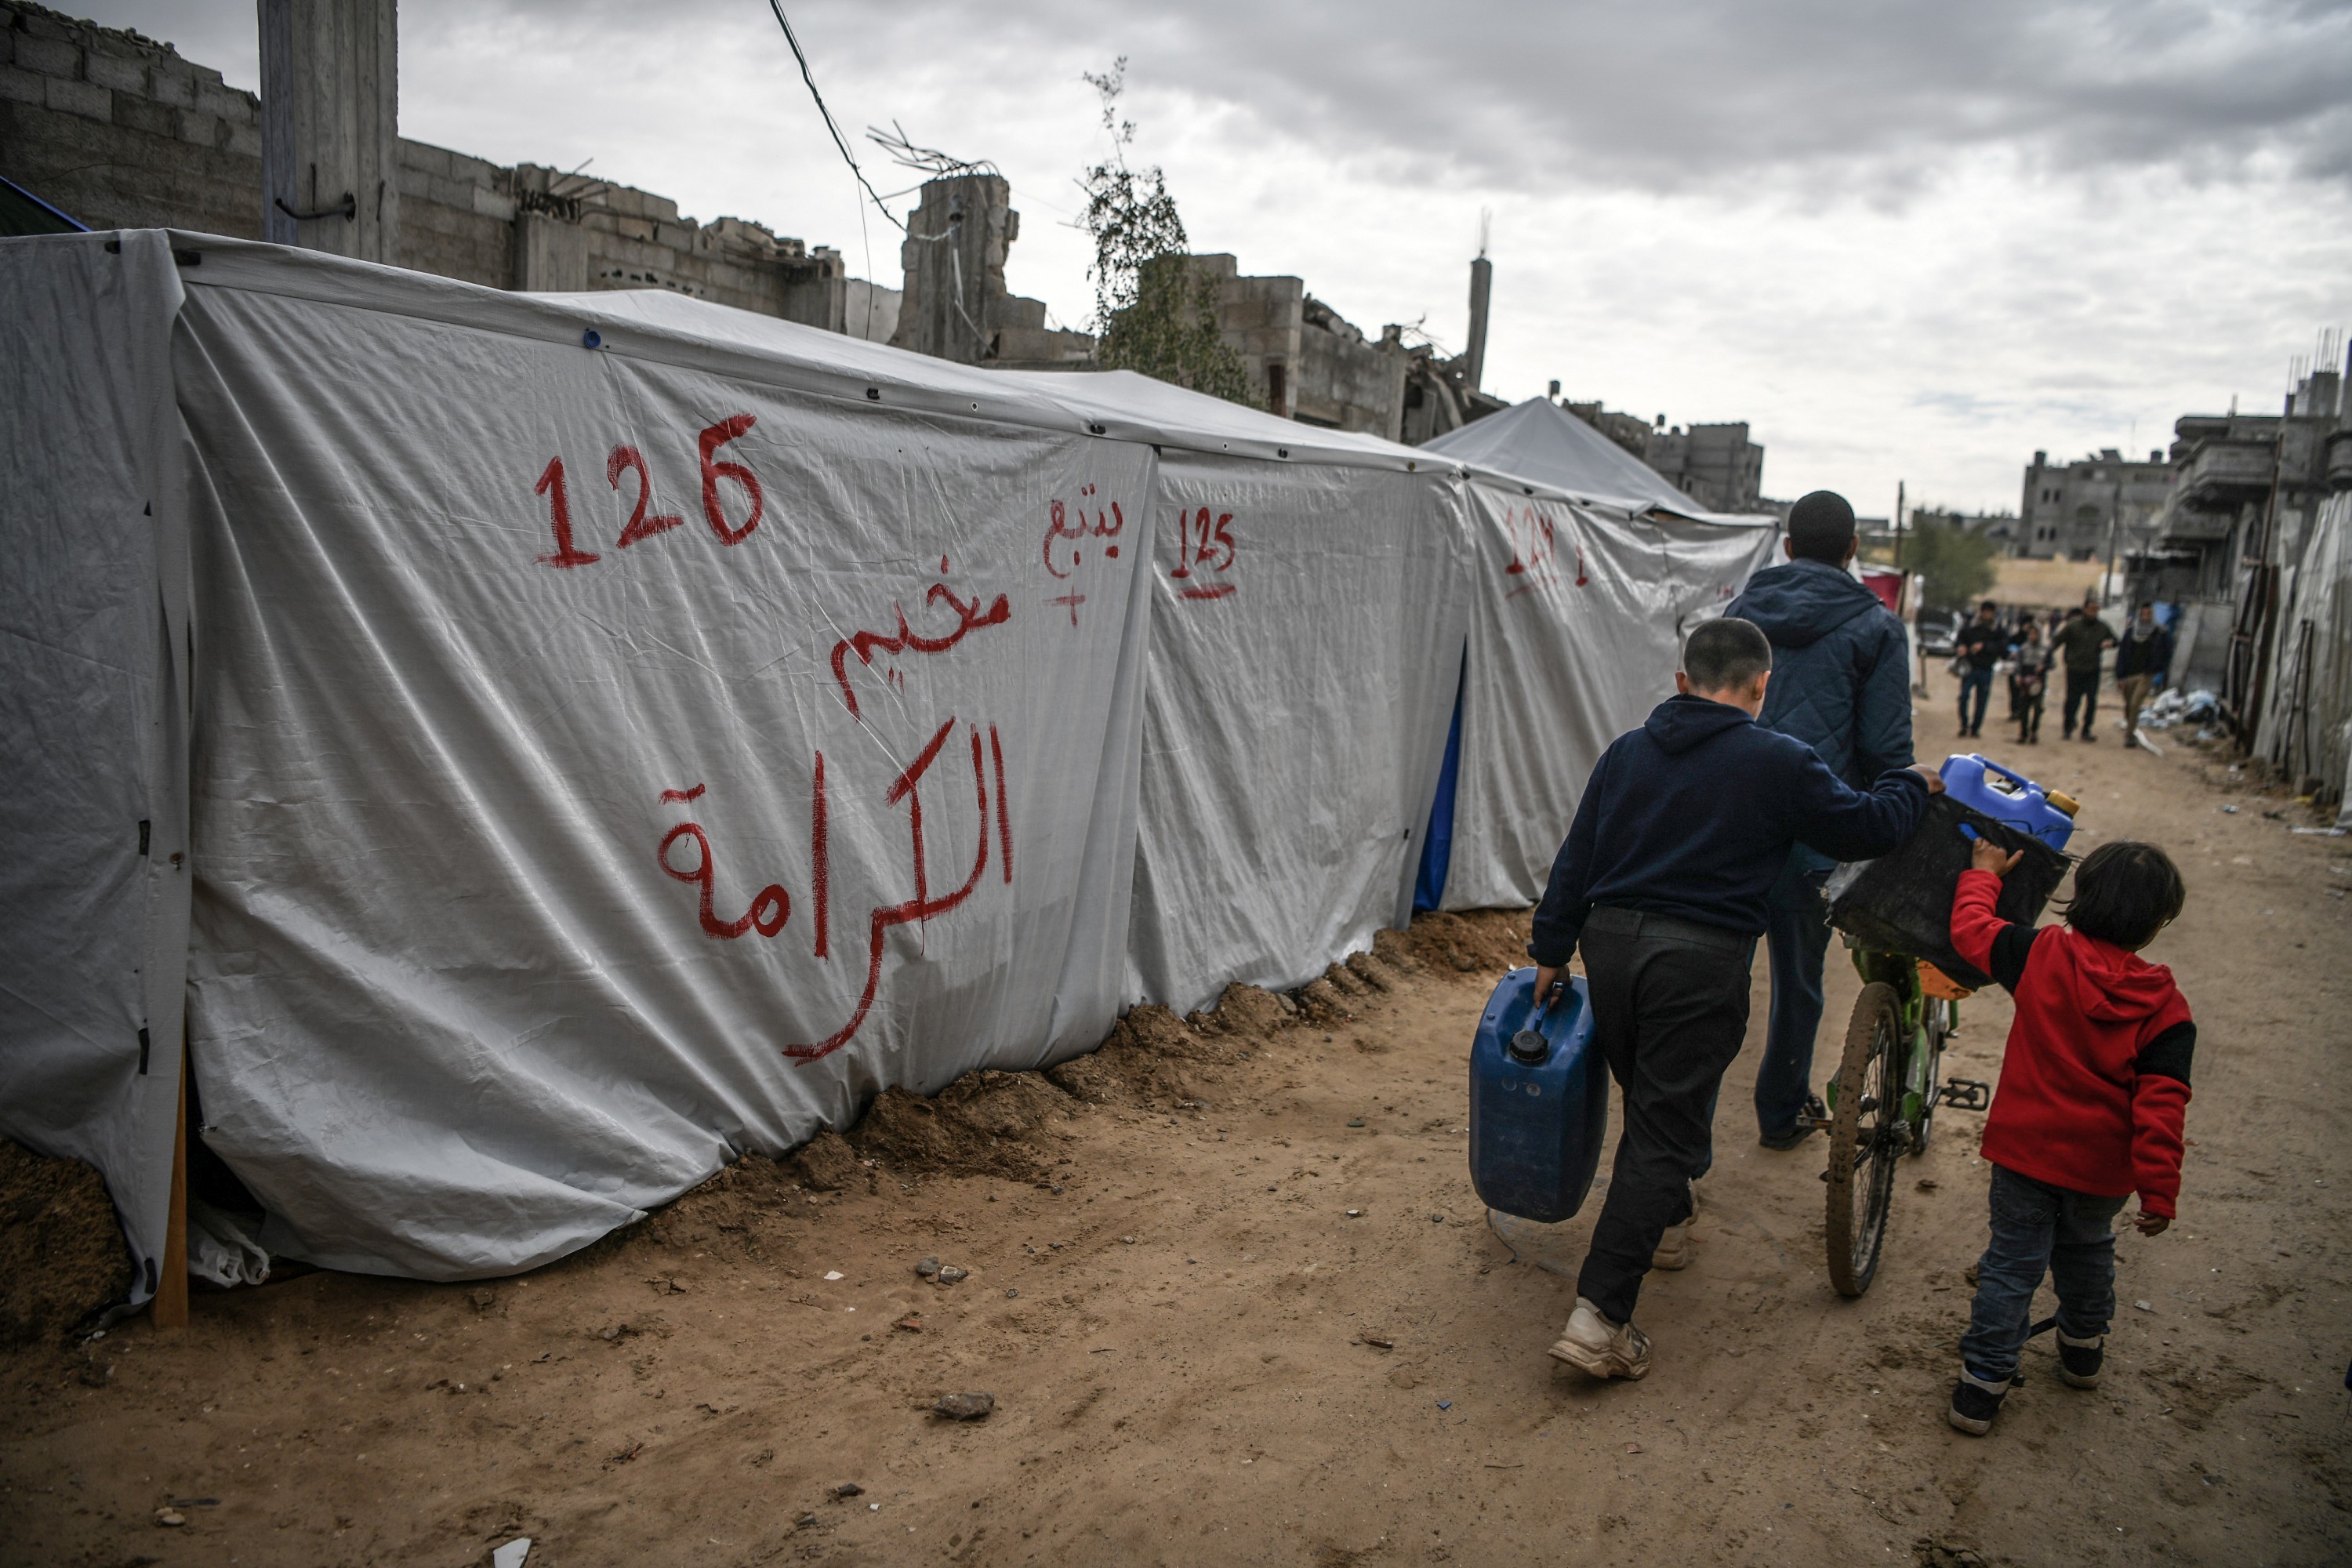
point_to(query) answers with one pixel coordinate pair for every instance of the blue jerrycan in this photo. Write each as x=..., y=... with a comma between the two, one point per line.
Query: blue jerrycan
x=1538, y=1100
x=2010, y=799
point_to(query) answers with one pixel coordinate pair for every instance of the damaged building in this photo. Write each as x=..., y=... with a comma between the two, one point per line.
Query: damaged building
x=120, y=131
x=2246, y=493
x=1715, y=465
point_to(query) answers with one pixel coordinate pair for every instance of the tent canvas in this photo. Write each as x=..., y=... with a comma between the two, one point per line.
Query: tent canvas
x=623, y=732
x=1540, y=441
x=1577, y=617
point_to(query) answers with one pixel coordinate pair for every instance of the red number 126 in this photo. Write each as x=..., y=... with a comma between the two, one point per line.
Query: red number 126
x=624, y=459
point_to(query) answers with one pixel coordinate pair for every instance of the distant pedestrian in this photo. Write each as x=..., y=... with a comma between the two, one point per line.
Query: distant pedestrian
x=2143, y=654
x=2078, y=646
x=2029, y=679
x=1839, y=686
x=1980, y=645
x=2094, y=1088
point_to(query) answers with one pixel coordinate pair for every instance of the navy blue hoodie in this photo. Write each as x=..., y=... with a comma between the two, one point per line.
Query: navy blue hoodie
x=1692, y=816
x=1841, y=666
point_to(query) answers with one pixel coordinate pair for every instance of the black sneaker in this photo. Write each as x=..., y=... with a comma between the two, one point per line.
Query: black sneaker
x=1972, y=1408
x=2078, y=1361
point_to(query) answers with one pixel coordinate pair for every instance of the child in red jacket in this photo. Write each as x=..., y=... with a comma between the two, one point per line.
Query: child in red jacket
x=2091, y=1091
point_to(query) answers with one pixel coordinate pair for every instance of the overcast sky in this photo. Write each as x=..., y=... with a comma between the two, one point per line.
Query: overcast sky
x=1902, y=241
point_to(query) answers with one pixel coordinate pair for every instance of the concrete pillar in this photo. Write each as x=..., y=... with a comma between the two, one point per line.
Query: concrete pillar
x=551, y=254
x=1482, y=283
x=330, y=126
x=954, y=261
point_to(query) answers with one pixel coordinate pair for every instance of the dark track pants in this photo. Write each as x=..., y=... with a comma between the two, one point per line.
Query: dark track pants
x=1797, y=936
x=1669, y=1010
x=2083, y=689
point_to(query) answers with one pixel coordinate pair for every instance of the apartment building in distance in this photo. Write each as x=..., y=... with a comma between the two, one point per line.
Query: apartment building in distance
x=1715, y=465
x=2092, y=507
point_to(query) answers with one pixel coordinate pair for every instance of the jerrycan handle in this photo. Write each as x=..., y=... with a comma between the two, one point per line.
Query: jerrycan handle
x=2025, y=785
x=1529, y=1047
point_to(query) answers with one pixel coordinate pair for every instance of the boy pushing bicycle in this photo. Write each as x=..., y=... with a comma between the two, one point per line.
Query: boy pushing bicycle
x=2092, y=1089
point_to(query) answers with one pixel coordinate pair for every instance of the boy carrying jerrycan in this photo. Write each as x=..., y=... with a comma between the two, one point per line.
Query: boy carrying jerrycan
x=1662, y=881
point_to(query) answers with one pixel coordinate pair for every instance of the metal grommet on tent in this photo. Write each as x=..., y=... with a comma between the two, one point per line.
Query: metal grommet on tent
x=873, y=395
x=1097, y=429
x=1282, y=451
x=592, y=338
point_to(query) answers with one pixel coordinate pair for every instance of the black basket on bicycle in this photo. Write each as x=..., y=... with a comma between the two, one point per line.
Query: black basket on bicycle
x=1901, y=902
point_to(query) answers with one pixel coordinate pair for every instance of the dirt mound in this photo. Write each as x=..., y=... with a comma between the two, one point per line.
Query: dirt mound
x=61, y=1251
x=826, y=1164
x=1482, y=941
x=986, y=1123
x=1248, y=1013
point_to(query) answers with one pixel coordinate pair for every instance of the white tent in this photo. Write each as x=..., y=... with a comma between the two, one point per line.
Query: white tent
x=537, y=749
x=1577, y=621
x=1540, y=441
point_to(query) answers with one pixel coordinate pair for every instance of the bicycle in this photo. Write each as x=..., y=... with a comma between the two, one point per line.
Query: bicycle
x=1883, y=1101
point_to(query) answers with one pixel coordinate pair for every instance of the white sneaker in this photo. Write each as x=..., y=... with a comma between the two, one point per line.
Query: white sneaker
x=1674, y=1247
x=1599, y=1348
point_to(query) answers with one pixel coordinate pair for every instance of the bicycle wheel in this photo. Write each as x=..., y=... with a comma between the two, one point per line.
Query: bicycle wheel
x=1937, y=1016
x=1864, y=1143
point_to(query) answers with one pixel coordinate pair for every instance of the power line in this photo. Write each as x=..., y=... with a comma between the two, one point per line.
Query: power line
x=783, y=22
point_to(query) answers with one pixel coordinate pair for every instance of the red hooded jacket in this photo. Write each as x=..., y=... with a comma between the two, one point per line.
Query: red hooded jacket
x=2095, y=1079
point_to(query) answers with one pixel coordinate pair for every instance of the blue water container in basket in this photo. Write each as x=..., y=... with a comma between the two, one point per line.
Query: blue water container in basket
x=1538, y=1100
x=2011, y=799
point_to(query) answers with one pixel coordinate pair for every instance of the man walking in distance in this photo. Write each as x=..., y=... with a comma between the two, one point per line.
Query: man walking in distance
x=1684, y=826
x=1840, y=685
x=2142, y=656
x=1980, y=645
x=2078, y=644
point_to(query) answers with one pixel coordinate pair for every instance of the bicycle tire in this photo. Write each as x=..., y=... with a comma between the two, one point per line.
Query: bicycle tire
x=1862, y=1152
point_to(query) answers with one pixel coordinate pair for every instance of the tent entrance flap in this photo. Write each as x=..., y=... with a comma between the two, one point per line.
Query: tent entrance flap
x=1437, y=845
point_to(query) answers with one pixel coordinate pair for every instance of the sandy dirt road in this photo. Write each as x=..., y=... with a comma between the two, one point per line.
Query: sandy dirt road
x=1209, y=1359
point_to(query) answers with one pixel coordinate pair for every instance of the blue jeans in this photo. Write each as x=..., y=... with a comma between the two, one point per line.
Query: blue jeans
x=1797, y=930
x=1980, y=682
x=2038, y=1229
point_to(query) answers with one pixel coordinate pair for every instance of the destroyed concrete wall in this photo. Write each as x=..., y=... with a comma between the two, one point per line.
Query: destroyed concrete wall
x=1439, y=396
x=1305, y=361
x=122, y=133
x=956, y=304
x=1715, y=465
x=1344, y=382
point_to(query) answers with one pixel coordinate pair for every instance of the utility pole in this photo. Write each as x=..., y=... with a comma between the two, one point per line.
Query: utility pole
x=1898, y=525
x=1482, y=284
x=2116, y=525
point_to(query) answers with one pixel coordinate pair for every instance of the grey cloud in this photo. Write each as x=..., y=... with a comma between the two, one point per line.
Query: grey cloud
x=1615, y=94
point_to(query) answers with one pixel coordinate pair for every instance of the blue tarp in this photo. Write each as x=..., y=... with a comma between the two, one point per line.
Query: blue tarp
x=1437, y=848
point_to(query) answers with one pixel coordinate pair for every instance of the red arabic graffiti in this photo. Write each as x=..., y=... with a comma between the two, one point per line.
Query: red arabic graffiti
x=1069, y=523
x=1105, y=525
x=1535, y=551
x=1202, y=553
x=923, y=905
x=820, y=858
x=640, y=527
x=771, y=906
x=970, y=617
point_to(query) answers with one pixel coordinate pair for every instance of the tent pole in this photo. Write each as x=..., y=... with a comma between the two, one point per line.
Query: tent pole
x=171, y=1307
